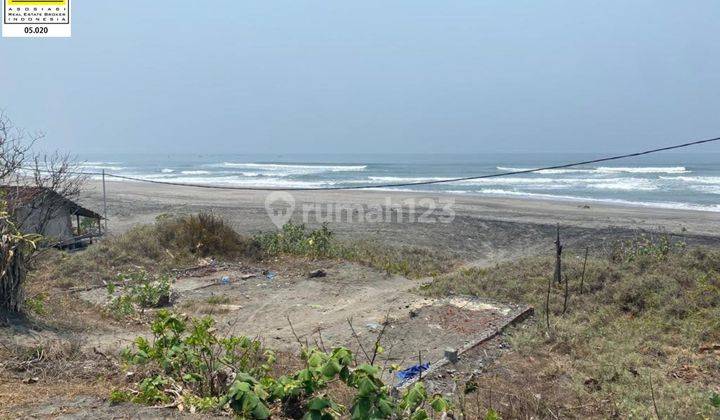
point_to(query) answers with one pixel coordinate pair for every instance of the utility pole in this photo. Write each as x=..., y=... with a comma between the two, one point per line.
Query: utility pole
x=104, y=200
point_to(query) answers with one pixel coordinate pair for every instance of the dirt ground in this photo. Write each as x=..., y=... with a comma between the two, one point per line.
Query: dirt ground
x=347, y=307
x=351, y=305
x=257, y=298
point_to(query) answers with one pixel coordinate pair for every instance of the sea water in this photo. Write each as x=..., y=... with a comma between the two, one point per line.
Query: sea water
x=669, y=180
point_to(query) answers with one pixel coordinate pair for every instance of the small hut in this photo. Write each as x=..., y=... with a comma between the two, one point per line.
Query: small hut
x=62, y=222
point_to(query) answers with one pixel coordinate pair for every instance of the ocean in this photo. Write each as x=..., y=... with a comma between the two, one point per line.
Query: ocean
x=667, y=180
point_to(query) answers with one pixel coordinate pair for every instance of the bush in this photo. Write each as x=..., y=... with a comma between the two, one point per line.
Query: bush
x=169, y=242
x=295, y=239
x=203, y=235
x=645, y=247
x=187, y=353
x=140, y=290
x=188, y=362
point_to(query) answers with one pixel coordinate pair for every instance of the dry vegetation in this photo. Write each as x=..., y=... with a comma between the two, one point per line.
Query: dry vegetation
x=649, y=312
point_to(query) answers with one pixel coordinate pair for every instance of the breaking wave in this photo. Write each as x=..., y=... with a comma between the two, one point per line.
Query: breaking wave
x=606, y=170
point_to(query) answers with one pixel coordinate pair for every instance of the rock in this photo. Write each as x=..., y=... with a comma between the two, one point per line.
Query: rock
x=317, y=273
x=451, y=355
x=373, y=327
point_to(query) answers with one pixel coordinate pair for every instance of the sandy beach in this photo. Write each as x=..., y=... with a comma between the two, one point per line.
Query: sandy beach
x=483, y=228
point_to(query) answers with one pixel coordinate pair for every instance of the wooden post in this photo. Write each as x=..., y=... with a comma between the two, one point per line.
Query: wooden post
x=567, y=293
x=547, y=305
x=104, y=200
x=582, y=278
x=558, y=257
x=557, y=277
x=77, y=218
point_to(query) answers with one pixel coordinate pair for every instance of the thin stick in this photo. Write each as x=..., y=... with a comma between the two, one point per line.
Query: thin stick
x=297, y=338
x=652, y=394
x=558, y=257
x=420, y=364
x=582, y=279
x=104, y=200
x=357, y=337
x=322, y=343
x=547, y=305
x=376, y=346
x=567, y=294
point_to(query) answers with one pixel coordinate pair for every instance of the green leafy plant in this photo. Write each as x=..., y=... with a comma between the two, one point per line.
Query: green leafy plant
x=142, y=290
x=295, y=239
x=186, y=361
x=715, y=400
x=36, y=304
x=118, y=396
x=644, y=246
x=190, y=354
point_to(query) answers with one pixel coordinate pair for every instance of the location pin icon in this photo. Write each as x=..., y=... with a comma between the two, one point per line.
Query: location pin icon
x=280, y=206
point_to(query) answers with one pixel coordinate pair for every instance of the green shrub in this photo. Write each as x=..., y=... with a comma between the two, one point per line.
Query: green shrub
x=295, y=239
x=119, y=396
x=140, y=290
x=170, y=242
x=189, y=352
x=36, y=304
x=645, y=247
x=233, y=373
x=203, y=235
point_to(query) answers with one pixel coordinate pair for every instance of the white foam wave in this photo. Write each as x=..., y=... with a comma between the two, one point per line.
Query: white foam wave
x=396, y=179
x=287, y=169
x=99, y=163
x=545, y=171
x=605, y=170
x=644, y=170
x=625, y=184
x=236, y=181
x=86, y=166
x=167, y=170
x=621, y=184
x=195, y=172
x=713, y=180
x=709, y=189
x=666, y=205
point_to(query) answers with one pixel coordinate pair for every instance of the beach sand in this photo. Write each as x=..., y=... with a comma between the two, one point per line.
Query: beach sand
x=484, y=229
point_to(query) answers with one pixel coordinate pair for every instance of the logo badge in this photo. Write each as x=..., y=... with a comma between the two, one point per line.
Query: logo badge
x=280, y=206
x=36, y=19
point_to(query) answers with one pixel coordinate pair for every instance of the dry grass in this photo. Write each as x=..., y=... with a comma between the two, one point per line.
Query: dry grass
x=649, y=316
x=411, y=262
x=50, y=369
x=170, y=242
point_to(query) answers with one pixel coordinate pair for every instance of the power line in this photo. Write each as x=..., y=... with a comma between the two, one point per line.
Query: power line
x=409, y=184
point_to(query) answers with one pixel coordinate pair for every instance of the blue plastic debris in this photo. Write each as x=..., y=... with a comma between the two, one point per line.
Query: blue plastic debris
x=270, y=275
x=225, y=280
x=411, y=372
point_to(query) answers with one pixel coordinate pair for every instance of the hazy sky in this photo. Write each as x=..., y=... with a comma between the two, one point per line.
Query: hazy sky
x=370, y=76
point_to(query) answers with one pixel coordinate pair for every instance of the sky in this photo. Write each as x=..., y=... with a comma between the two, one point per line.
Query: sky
x=406, y=76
